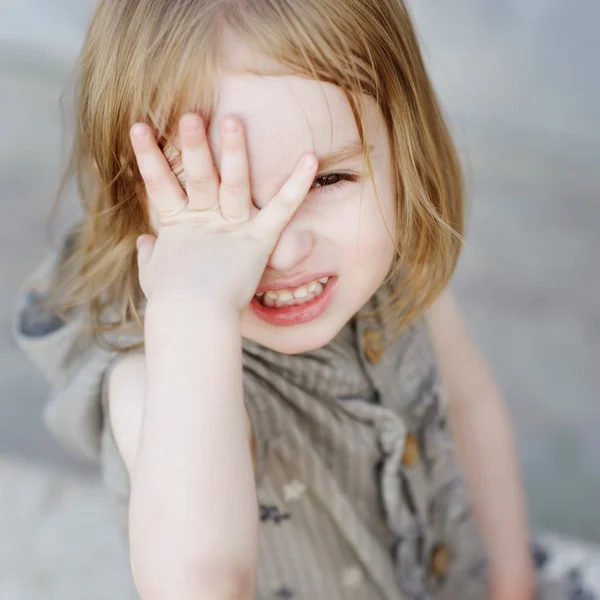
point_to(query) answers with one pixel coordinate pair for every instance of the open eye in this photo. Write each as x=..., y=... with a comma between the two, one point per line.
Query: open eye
x=326, y=182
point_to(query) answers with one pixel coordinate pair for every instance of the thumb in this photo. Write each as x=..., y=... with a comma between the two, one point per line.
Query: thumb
x=145, y=245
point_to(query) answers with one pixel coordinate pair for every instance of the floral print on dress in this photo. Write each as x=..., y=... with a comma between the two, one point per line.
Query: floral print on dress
x=293, y=491
x=273, y=514
x=284, y=593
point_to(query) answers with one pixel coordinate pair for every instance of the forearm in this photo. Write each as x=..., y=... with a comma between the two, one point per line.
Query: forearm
x=193, y=513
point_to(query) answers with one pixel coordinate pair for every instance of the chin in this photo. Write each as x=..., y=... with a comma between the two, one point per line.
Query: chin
x=295, y=339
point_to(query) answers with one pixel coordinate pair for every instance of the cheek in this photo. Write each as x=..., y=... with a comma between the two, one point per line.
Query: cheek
x=376, y=245
x=376, y=227
x=358, y=225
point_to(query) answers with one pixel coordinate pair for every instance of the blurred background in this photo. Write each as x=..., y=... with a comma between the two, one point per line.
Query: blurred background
x=520, y=82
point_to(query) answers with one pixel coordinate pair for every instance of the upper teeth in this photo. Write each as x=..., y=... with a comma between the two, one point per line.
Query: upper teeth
x=314, y=287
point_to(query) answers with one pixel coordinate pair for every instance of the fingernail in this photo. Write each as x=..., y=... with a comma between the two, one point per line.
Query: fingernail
x=308, y=162
x=230, y=126
x=139, y=130
x=191, y=122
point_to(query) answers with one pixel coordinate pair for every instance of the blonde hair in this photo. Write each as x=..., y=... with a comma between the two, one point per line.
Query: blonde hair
x=154, y=60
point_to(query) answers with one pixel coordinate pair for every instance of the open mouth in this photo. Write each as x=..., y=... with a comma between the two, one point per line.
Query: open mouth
x=293, y=297
x=297, y=305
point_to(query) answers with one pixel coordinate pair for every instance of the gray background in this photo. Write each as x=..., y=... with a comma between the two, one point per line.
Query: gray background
x=521, y=84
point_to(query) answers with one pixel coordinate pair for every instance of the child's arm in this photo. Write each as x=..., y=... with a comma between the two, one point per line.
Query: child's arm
x=484, y=438
x=206, y=527
x=193, y=514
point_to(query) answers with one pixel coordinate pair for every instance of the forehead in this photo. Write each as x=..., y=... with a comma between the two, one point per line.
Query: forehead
x=276, y=108
x=285, y=117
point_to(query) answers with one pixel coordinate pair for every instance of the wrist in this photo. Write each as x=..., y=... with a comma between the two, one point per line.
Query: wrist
x=193, y=352
x=188, y=312
x=197, y=330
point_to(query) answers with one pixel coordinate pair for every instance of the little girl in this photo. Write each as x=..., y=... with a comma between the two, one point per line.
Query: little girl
x=249, y=326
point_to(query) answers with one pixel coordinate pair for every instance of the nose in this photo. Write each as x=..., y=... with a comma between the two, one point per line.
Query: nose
x=293, y=247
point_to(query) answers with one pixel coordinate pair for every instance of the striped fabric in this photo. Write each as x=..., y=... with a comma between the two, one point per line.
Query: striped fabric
x=359, y=491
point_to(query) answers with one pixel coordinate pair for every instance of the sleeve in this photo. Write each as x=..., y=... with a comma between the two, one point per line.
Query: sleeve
x=74, y=365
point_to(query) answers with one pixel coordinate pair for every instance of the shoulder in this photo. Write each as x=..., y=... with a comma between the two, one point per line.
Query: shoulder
x=448, y=329
x=444, y=320
x=464, y=370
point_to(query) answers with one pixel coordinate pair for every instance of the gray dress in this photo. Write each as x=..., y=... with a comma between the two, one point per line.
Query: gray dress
x=359, y=490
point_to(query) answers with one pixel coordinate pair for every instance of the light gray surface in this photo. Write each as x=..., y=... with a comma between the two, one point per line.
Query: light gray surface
x=521, y=82
x=59, y=541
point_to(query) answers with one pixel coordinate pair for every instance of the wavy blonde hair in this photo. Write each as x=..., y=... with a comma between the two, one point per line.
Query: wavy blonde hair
x=154, y=60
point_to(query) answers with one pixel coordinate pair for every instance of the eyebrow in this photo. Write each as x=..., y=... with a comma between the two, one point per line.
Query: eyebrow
x=352, y=150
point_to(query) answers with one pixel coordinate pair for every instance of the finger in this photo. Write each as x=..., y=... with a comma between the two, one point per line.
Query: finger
x=201, y=177
x=165, y=194
x=234, y=192
x=272, y=219
x=145, y=245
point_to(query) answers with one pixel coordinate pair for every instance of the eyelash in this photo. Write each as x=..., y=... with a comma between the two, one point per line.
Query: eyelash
x=343, y=177
x=323, y=189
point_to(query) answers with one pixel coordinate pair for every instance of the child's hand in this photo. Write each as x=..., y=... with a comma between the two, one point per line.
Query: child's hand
x=212, y=244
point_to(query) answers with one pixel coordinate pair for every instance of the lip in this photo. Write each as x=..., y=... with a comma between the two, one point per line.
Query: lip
x=296, y=315
x=294, y=282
